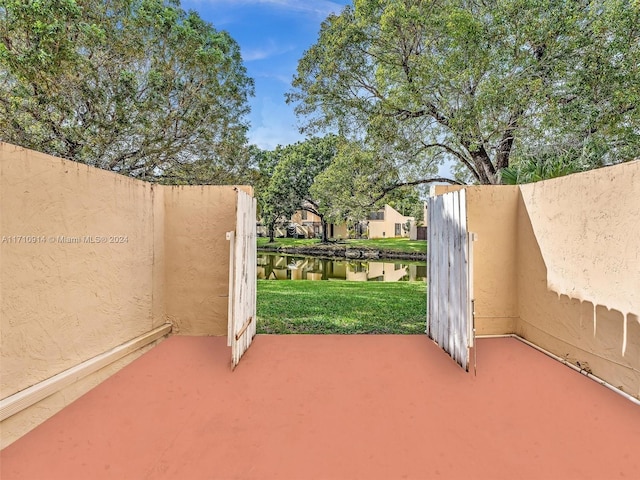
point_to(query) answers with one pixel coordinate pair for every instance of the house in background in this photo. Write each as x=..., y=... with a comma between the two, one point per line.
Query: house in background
x=388, y=222
x=310, y=225
x=384, y=223
x=419, y=232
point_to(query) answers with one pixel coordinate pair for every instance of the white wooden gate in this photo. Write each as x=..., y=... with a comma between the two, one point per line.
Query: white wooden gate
x=449, y=301
x=242, y=278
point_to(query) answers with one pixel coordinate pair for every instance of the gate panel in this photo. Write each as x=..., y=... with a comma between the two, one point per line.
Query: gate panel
x=242, y=278
x=449, y=314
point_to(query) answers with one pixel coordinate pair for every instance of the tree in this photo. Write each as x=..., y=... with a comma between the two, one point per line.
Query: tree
x=273, y=203
x=294, y=169
x=350, y=186
x=477, y=84
x=139, y=87
x=357, y=183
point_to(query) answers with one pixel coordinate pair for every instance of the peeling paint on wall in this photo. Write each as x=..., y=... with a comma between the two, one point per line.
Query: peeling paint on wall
x=588, y=231
x=558, y=263
x=578, y=271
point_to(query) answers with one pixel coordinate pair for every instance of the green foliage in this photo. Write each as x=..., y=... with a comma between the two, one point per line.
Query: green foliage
x=337, y=180
x=340, y=307
x=347, y=187
x=406, y=200
x=140, y=87
x=289, y=173
x=479, y=84
x=37, y=36
x=542, y=167
x=358, y=181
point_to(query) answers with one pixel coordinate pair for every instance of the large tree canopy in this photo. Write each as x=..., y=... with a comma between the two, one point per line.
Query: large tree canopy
x=140, y=87
x=481, y=84
x=291, y=171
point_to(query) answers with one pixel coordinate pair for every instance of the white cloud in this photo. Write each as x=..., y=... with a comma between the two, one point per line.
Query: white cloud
x=270, y=49
x=277, y=126
x=284, y=79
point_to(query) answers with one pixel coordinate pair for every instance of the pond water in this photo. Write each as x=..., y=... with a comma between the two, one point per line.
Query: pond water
x=291, y=267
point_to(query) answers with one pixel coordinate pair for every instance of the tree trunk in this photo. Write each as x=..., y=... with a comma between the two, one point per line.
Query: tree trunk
x=272, y=231
x=325, y=236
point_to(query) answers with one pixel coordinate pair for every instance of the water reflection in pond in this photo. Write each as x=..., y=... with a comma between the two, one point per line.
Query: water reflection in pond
x=288, y=267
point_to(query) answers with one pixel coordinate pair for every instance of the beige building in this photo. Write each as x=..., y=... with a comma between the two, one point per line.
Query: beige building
x=388, y=222
x=418, y=230
x=310, y=225
x=385, y=223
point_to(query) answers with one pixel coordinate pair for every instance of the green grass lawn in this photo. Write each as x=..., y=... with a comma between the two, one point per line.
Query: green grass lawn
x=390, y=244
x=340, y=307
x=288, y=242
x=395, y=244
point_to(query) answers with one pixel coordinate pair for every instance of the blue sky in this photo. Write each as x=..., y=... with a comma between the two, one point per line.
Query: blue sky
x=273, y=34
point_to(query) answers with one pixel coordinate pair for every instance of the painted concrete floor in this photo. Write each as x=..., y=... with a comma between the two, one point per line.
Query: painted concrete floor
x=336, y=407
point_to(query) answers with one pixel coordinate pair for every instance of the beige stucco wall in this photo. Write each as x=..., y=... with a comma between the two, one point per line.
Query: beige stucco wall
x=80, y=258
x=339, y=230
x=197, y=257
x=65, y=299
x=297, y=217
x=492, y=217
x=579, y=270
x=558, y=263
x=586, y=225
x=90, y=260
x=425, y=215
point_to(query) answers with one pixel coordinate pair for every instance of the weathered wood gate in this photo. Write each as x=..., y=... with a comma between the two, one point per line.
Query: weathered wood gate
x=242, y=278
x=449, y=301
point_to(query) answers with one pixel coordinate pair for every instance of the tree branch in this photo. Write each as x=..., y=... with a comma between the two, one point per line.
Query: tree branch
x=455, y=153
x=506, y=143
x=413, y=183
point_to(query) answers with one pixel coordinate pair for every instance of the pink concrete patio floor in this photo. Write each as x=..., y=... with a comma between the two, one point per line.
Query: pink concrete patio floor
x=336, y=407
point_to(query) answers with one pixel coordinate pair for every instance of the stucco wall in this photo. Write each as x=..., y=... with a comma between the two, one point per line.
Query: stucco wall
x=339, y=230
x=579, y=270
x=492, y=217
x=197, y=257
x=558, y=263
x=91, y=259
x=66, y=298
x=297, y=217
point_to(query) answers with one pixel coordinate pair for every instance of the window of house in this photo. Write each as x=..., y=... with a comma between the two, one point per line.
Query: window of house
x=398, y=229
x=303, y=214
